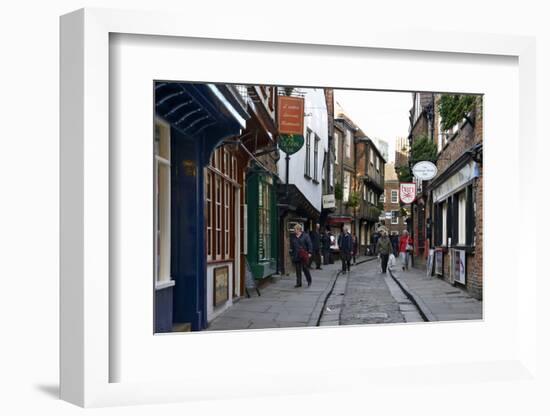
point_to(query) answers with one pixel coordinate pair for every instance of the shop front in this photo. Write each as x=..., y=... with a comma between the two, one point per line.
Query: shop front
x=262, y=226
x=454, y=211
x=191, y=121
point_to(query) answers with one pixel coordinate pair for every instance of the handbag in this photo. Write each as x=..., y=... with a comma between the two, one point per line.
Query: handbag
x=303, y=255
x=409, y=247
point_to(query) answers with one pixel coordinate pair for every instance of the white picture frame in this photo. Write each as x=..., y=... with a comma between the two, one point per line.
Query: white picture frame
x=86, y=261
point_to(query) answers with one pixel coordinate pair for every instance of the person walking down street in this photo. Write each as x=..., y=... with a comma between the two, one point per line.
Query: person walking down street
x=405, y=248
x=384, y=249
x=374, y=240
x=315, y=237
x=394, y=238
x=353, y=248
x=300, y=251
x=325, y=246
x=345, y=244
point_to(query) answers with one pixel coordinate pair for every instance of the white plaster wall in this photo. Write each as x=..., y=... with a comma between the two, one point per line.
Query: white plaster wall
x=212, y=312
x=317, y=120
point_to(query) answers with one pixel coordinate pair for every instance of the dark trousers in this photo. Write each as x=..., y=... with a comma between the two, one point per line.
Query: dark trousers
x=384, y=260
x=316, y=257
x=326, y=256
x=346, y=257
x=299, y=267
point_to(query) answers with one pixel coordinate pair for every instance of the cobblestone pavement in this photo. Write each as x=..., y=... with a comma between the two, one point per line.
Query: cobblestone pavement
x=368, y=299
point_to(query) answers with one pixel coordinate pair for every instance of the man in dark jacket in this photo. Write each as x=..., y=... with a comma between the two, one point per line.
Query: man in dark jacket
x=384, y=249
x=316, y=245
x=345, y=244
x=325, y=246
x=300, y=252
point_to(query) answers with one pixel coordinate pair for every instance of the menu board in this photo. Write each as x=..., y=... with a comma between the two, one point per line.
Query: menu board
x=221, y=285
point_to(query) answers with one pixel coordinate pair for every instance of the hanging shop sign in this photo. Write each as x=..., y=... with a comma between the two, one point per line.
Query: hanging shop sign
x=407, y=192
x=290, y=144
x=291, y=115
x=424, y=170
x=329, y=201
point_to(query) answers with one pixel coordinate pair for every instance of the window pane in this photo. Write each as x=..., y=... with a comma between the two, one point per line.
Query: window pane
x=163, y=232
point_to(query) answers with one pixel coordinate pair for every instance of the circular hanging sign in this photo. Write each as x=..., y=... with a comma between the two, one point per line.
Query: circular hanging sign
x=291, y=143
x=424, y=170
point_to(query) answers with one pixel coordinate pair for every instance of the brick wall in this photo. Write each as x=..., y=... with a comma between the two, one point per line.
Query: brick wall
x=465, y=138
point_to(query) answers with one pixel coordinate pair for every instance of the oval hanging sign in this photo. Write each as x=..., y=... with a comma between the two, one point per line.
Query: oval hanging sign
x=290, y=143
x=424, y=170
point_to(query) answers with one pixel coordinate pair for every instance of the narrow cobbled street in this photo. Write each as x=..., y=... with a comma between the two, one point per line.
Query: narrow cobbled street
x=372, y=297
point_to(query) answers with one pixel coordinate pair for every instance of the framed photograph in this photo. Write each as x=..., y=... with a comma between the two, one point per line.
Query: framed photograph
x=123, y=174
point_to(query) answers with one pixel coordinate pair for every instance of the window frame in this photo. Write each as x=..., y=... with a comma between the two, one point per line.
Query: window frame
x=161, y=259
x=347, y=144
x=396, y=217
x=396, y=192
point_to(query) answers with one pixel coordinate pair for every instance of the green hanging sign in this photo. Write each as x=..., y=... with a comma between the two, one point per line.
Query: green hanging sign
x=291, y=143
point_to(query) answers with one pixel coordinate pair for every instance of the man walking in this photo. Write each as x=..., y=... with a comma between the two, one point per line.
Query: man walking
x=316, y=245
x=325, y=245
x=300, y=252
x=345, y=244
x=384, y=249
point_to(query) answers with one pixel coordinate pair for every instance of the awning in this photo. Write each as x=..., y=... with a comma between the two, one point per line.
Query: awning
x=196, y=108
x=297, y=202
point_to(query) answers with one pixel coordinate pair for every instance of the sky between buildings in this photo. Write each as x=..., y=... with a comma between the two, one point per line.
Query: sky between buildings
x=380, y=114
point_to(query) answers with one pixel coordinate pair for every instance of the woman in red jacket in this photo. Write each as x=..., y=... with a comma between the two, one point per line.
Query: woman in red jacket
x=405, y=247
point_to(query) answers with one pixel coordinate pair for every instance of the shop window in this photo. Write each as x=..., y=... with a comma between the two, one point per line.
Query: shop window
x=218, y=217
x=444, y=224
x=462, y=218
x=226, y=219
x=162, y=201
x=208, y=191
x=264, y=222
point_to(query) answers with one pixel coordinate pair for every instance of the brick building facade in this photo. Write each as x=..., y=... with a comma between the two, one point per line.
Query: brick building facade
x=447, y=213
x=397, y=222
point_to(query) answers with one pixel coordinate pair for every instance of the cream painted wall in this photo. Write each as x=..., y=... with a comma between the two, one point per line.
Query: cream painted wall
x=315, y=119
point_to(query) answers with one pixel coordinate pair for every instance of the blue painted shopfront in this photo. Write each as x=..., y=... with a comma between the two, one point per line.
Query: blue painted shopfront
x=200, y=117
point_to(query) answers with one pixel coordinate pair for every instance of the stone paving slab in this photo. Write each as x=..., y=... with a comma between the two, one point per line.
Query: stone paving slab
x=437, y=299
x=280, y=304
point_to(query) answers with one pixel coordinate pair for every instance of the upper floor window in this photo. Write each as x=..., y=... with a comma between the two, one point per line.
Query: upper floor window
x=347, y=144
x=378, y=163
x=383, y=197
x=347, y=185
x=336, y=146
x=371, y=156
x=316, y=158
x=394, y=196
x=307, y=162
